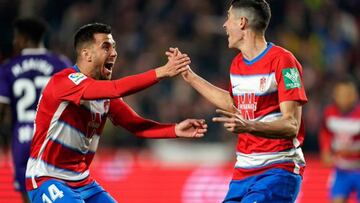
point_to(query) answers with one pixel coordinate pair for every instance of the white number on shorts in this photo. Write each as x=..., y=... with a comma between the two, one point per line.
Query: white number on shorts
x=54, y=194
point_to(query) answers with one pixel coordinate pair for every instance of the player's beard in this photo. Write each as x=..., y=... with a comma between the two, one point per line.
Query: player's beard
x=105, y=74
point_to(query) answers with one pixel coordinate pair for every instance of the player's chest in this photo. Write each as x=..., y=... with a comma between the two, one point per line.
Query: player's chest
x=257, y=79
x=257, y=84
x=94, y=113
x=100, y=106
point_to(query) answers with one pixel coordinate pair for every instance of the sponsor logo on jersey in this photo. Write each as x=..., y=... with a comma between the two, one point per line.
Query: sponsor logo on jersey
x=247, y=105
x=291, y=78
x=77, y=77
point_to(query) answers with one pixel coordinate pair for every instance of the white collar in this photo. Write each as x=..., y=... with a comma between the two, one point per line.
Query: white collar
x=33, y=51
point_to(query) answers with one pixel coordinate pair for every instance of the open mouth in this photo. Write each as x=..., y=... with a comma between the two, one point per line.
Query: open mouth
x=109, y=66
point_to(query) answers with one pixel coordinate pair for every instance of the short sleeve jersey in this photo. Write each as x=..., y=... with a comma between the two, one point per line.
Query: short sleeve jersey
x=258, y=87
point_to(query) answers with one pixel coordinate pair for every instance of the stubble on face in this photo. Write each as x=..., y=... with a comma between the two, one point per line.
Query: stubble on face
x=105, y=55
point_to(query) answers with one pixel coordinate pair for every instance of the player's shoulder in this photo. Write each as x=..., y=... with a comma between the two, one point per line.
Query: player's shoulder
x=69, y=76
x=278, y=52
x=357, y=108
x=8, y=63
x=62, y=74
x=65, y=72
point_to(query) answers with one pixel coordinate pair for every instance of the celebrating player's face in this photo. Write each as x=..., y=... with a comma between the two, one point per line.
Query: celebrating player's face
x=233, y=28
x=104, y=55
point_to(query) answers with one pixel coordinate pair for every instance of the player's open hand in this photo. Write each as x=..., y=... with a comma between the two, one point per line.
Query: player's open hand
x=191, y=128
x=233, y=122
x=173, y=52
x=176, y=64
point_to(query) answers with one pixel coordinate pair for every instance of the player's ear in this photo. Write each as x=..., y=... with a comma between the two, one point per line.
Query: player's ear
x=85, y=53
x=243, y=21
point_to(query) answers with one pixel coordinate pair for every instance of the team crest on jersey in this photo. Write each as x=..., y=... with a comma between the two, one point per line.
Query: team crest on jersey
x=262, y=84
x=291, y=78
x=77, y=78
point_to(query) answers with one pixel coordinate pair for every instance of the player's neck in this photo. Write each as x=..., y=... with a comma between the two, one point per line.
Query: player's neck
x=83, y=68
x=253, y=46
x=86, y=70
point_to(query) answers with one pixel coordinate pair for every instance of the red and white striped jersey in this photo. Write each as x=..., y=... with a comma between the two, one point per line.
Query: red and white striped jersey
x=340, y=134
x=68, y=128
x=258, y=87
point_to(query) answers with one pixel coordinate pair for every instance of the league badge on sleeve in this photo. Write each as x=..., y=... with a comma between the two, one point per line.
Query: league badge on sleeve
x=77, y=77
x=291, y=78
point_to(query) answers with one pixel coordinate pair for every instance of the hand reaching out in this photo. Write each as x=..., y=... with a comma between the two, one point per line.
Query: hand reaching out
x=175, y=65
x=173, y=52
x=233, y=122
x=191, y=128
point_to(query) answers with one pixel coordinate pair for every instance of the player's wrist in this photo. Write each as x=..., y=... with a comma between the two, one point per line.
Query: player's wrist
x=189, y=76
x=161, y=72
x=176, y=130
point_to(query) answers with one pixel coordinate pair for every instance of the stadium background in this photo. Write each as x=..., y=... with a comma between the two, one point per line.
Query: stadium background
x=322, y=34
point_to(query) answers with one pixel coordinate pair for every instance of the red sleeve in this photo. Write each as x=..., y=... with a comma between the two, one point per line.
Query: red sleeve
x=122, y=115
x=325, y=136
x=100, y=89
x=75, y=86
x=289, y=79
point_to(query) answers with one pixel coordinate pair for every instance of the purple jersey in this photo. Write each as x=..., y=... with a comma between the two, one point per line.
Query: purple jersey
x=21, y=82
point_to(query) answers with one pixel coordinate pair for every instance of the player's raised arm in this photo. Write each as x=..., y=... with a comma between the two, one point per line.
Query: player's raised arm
x=96, y=55
x=217, y=96
x=131, y=84
x=146, y=128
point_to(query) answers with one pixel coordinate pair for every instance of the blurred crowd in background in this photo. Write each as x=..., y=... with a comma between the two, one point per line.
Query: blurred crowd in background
x=322, y=34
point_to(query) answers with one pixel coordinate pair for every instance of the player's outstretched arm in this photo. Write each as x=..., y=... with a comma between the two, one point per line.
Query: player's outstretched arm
x=217, y=96
x=128, y=85
x=123, y=115
x=286, y=127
